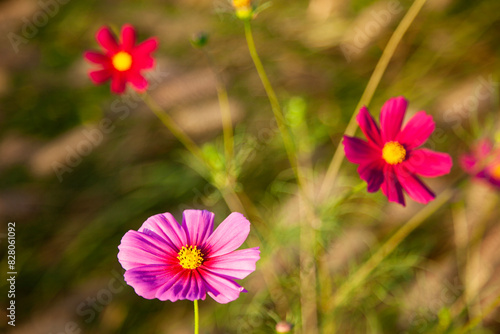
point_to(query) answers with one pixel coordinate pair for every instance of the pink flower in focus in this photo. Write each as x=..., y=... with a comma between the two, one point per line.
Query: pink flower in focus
x=391, y=159
x=122, y=61
x=483, y=162
x=169, y=261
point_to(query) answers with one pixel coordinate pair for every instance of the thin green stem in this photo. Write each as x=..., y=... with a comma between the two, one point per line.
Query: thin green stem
x=360, y=276
x=372, y=85
x=477, y=320
x=175, y=130
x=196, y=317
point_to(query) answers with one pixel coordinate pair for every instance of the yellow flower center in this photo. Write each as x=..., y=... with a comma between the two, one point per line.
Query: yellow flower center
x=393, y=153
x=495, y=172
x=122, y=61
x=190, y=257
x=241, y=3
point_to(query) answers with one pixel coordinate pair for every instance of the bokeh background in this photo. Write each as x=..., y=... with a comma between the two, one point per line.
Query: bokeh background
x=74, y=189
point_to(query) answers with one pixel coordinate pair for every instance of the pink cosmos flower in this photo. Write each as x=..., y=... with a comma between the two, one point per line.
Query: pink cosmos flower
x=169, y=261
x=391, y=158
x=122, y=61
x=483, y=162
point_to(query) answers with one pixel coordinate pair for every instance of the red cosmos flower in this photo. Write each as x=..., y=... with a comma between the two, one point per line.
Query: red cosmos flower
x=122, y=61
x=483, y=162
x=391, y=159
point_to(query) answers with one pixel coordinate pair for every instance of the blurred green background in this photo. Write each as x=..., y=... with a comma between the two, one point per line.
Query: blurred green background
x=74, y=190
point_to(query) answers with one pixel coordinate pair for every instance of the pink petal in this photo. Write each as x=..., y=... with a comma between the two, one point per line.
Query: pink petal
x=139, y=249
x=96, y=57
x=229, y=235
x=138, y=81
x=167, y=228
x=143, y=62
x=236, y=265
x=415, y=188
x=146, y=47
x=221, y=289
x=417, y=130
x=100, y=76
x=373, y=174
x=188, y=285
x=128, y=37
x=107, y=40
x=391, y=187
x=359, y=151
x=391, y=117
x=148, y=281
x=428, y=163
x=369, y=127
x=467, y=162
x=118, y=83
x=198, y=225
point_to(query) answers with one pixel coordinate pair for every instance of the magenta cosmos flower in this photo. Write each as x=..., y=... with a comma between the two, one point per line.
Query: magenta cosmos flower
x=169, y=261
x=391, y=159
x=122, y=61
x=483, y=162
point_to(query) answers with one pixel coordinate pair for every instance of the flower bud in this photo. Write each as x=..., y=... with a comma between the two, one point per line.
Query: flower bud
x=283, y=327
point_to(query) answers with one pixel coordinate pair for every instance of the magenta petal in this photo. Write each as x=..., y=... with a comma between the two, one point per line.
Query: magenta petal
x=369, y=127
x=417, y=130
x=198, y=225
x=467, y=162
x=229, y=235
x=391, y=187
x=221, y=289
x=118, y=83
x=139, y=249
x=148, y=281
x=167, y=228
x=359, y=151
x=107, y=40
x=128, y=37
x=391, y=117
x=236, y=265
x=188, y=285
x=100, y=76
x=415, y=188
x=373, y=174
x=96, y=57
x=138, y=81
x=146, y=47
x=429, y=163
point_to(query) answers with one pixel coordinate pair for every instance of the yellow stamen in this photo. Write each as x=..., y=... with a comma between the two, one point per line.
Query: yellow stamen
x=190, y=257
x=122, y=61
x=393, y=153
x=495, y=172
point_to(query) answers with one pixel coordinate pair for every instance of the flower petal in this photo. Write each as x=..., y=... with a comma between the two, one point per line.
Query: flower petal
x=138, y=81
x=221, y=289
x=118, y=83
x=369, y=127
x=188, y=285
x=100, y=76
x=198, y=225
x=139, y=249
x=417, y=130
x=391, y=187
x=236, y=265
x=391, y=117
x=415, y=188
x=148, y=281
x=167, y=228
x=229, y=235
x=146, y=47
x=359, y=151
x=428, y=163
x=96, y=57
x=373, y=174
x=107, y=40
x=128, y=37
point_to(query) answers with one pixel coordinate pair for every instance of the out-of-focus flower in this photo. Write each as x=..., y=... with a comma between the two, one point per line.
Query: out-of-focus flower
x=283, y=327
x=122, y=61
x=169, y=261
x=244, y=9
x=391, y=159
x=483, y=162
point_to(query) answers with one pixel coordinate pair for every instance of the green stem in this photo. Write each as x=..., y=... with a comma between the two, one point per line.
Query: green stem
x=372, y=85
x=196, y=317
x=387, y=248
x=275, y=106
x=477, y=320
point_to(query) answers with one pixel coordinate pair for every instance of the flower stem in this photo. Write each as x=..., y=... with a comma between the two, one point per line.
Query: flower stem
x=196, y=317
x=477, y=320
x=372, y=85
